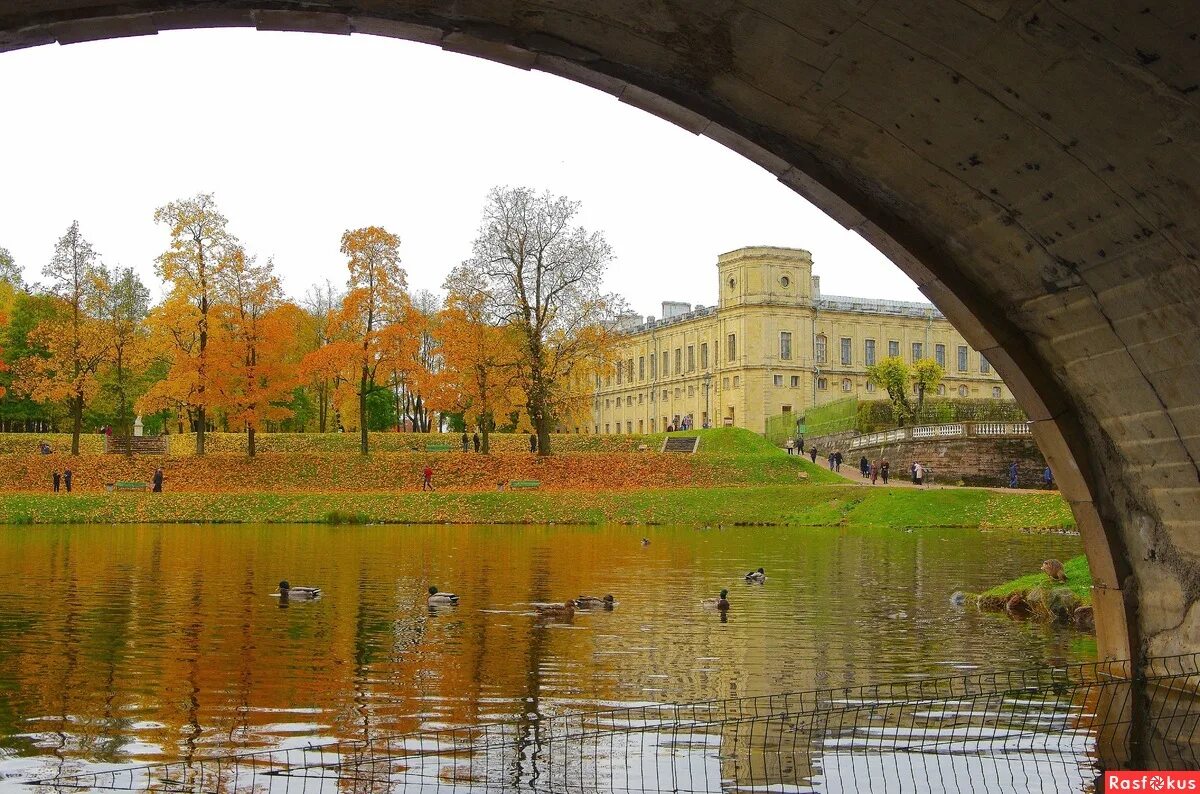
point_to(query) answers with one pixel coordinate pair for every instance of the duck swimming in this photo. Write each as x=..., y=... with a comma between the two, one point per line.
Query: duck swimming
x=565, y=609
x=441, y=599
x=721, y=603
x=299, y=593
x=758, y=576
x=592, y=602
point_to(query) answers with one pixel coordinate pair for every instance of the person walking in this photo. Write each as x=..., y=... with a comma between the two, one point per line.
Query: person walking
x=67, y=475
x=864, y=466
x=1047, y=478
x=1012, y=475
x=874, y=472
x=157, y=481
x=427, y=482
x=918, y=474
x=475, y=437
x=466, y=442
x=533, y=442
x=831, y=460
x=884, y=469
x=837, y=461
x=812, y=453
x=57, y=480
x=912, y=471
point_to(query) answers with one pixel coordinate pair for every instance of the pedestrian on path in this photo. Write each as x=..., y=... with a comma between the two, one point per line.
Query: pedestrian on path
x=864, y=466
x=476, y=440
x=812, y=453
x=837, y=461
x=831, y=459
x=884, y=469
x=57, y=480
x=918, y=474
x=427, y=483
x=1012, y=475
x=157, y=481
x=533, y=442
x=67, y=475
x=874, y=472
x=1047, y=478
x=466, y=442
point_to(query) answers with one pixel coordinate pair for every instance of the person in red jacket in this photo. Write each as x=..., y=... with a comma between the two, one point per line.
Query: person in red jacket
x=427, y=484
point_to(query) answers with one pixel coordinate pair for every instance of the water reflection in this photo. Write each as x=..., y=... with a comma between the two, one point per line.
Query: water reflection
x=123, y=644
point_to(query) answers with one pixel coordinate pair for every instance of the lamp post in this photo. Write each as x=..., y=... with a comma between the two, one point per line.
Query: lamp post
x=707, y=406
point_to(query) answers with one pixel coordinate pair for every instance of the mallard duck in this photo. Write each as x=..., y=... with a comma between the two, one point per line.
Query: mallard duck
x=441, y=599
x=564, y=609
x=1054, y=569
x=721, y=603
x=592, y=602
x=299, y=593
x=756, y=576
x=645, y=541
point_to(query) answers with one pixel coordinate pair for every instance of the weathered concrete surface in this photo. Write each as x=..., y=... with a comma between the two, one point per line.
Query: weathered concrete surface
x=1032, y=165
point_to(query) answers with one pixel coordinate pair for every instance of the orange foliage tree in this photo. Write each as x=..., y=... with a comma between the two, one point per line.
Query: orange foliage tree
x=368, y=332
x=481, y=360
x=75, y=341
x=251, y=371
x=200, y=249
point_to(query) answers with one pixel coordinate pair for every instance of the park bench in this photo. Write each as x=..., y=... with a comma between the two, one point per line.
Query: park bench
x=515, y=484
x=437, y=447
x=127, y=486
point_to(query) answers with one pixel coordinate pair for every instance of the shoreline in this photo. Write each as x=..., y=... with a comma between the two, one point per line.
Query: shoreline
x=751, y=505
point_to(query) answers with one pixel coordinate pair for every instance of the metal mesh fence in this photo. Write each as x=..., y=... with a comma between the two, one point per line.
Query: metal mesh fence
x=1037, y=730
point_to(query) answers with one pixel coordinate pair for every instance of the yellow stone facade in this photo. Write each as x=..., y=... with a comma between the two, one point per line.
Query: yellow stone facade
x=772, y=344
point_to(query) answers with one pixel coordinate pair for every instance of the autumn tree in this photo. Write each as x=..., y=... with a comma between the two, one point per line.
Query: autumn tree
x=123, y=303
x=541, y=273
x=10, y=273
x=419, y=385
x=199, y=250
x=926, y=375
x=894, y=376
x=482, y=359
x=320, y=302
x=250, y=369
x=368, y=323
x=75, y=342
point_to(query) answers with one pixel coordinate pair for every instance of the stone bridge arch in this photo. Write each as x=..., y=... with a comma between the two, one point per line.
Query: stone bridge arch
x=1031, y=164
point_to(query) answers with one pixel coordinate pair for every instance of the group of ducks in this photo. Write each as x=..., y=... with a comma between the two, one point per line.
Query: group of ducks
x=439, y=599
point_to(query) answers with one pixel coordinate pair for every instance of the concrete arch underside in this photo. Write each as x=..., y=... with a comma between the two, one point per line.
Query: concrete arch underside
x=1032, y=165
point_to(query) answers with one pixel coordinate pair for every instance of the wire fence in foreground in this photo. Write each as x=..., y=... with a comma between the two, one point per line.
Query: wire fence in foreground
x=1037, y=730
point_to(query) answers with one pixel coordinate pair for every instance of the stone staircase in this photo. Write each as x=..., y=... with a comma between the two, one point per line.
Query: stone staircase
x=140, y=445
x=685, y=444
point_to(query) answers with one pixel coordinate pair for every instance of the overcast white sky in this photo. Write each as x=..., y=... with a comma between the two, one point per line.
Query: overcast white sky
x=302, y=136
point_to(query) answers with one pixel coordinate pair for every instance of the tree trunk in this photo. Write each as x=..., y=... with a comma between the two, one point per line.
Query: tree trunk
x=485, y=427
x=543, y=436
x=200, y=422
x=77, y=422
x=250, y=440
x=362, y=412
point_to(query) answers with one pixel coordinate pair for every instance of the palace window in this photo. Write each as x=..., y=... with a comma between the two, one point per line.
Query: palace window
x=870, y=387
x=847, y=355
x=737, y=381
x=629, y=401
x=984, y=366
x=641, y=367
x=962, y=391
x=939, y=355
x=597, y=429
x=795, y=381
x=666, y=364
x=822, y=342
x=620, y=372
x=652, y=425
x=732, y=348
x=724, y=383
x=629, y=427
x=691, y=358
x=941, y=390
x=653, y=366
x=962, y=358
x=893, y=348
x=607, y=404
x=996, y=392
x=704, y=355
x=677, y=393
x=597, y=380
x=847, y=384
x=665, y=396
x=630, y=364
x=678, y=360
x=786, y=409
x=917, y=350
x=778, y=380
x=785, y=345
x=869, y=352
x=653, y=394
x=691, y=391
x=822, y=384
x=607, y=430
x=641, y=397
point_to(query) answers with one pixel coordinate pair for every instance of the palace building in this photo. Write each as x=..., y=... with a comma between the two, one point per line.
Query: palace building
x=773, y=344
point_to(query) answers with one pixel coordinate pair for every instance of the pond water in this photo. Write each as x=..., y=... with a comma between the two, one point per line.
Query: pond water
x=126, y=644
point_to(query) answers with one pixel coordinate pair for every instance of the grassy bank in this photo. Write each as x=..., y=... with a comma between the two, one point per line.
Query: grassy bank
x=1079, y=582
x=796, y=505
x=1039, y=597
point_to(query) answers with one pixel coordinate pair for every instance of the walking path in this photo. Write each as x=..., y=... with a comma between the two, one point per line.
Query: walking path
x=851, y=473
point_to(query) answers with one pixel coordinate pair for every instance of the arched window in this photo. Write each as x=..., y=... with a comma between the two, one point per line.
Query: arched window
x=822, y=384
x=822, y=344
x=962, y=391
x=847, y=384
x=941, y=390
x=996, y=392
x=870, y=387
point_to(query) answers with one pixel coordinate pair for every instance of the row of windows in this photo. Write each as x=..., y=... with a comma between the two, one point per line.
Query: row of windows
x=625, y=368
x=847, y=357
x=641, y=425
x=848, y=386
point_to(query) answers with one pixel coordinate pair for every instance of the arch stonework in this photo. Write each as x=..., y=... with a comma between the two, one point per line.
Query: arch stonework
x=1031, y=165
